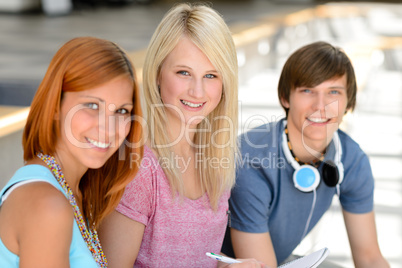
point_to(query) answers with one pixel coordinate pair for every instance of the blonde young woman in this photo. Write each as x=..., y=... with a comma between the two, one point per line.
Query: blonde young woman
x=175, y=210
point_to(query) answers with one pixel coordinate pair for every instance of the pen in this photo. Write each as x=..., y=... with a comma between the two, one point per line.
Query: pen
x=222, y=258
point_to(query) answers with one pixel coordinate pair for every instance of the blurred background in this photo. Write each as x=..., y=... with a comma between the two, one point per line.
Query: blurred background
x=266, y=32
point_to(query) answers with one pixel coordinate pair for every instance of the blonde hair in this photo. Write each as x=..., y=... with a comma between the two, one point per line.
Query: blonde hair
x=208, y=31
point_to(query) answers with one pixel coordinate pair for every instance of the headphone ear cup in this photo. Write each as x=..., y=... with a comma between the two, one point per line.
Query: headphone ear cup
x=306, y=178
x=330, y=173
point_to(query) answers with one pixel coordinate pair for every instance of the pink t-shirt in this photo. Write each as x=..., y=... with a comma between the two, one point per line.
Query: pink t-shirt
x=178, y=231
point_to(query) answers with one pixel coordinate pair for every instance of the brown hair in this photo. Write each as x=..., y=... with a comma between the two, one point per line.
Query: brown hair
x=80, y=64
x=313, y=64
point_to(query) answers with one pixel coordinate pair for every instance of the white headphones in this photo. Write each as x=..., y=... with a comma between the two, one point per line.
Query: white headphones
x=306, y=178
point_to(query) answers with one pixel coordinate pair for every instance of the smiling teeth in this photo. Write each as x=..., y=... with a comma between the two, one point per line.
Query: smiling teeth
x=192, y=105
x=99, y=144
x=317, y=120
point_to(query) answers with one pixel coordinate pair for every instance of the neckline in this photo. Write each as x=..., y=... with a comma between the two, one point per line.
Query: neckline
x=197, y=200
x=315, y=163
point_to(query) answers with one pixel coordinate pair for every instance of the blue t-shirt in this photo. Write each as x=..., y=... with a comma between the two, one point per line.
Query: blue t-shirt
x=80, y=256
x=265, y=199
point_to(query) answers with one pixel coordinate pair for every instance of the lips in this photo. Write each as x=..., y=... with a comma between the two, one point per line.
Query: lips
x=318, y=120
x=98, y=144
x=191, y=104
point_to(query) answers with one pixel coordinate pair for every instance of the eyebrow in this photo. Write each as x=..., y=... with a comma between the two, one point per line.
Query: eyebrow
x=331, y=87
x=185, y=66
x=92, y=97
x=337, y=87
x=102, y=100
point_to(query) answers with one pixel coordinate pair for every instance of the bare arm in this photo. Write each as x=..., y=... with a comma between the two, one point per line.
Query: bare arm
x=253, y=245
x=245, y=263
x=363, y=241
x=40, y=226
x=121, y=239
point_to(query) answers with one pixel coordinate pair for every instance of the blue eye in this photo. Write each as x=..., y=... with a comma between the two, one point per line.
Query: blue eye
x=91, y=105
x=306, y=90
x=335, y=92
x=210, y=76
x=123, y=111
x=183, y=72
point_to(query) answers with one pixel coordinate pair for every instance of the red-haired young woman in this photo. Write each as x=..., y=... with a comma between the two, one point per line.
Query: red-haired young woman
x=82, y=131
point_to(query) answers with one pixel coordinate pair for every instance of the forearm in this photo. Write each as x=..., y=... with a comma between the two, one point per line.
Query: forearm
x=121, y=239
x=378, y=262
x=363, y=240
x=254, y=245
x=244, y=263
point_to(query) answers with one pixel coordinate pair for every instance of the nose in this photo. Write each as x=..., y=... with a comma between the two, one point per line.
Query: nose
x=320, y=102
x=103, y=124
x=197, y=89
x=106, y=124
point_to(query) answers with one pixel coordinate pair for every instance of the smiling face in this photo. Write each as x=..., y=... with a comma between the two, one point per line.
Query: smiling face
x=316, y=112
x=190, y=86
x=94, y=123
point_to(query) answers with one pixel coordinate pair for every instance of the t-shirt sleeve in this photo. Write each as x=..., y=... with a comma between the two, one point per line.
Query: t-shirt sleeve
x=138, y=199
x=250, y=200
x=357, y=189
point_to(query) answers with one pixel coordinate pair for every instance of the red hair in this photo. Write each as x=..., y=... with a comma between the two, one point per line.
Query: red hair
x=80, y=64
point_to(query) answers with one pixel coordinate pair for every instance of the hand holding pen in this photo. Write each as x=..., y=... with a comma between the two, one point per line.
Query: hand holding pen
x=230, y=262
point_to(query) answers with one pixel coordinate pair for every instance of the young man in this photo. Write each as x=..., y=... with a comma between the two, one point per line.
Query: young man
x=291, y=169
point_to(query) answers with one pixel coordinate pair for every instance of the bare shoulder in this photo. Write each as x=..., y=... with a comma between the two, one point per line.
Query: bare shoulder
x=39, y=213
x=41, y=200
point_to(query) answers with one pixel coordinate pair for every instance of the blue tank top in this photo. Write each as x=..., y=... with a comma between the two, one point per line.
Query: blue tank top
x=80, y=256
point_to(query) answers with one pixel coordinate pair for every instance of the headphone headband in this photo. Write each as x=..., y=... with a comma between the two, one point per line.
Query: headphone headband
x=306, y=178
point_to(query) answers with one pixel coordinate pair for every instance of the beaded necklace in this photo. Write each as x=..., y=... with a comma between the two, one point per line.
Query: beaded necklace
x=315, y=163
x=89, y=235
